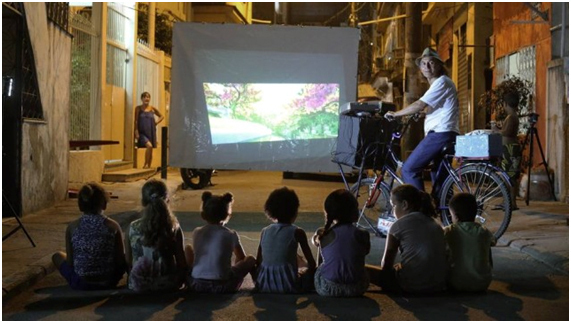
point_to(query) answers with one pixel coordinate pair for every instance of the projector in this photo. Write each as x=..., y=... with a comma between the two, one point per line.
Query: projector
x=370, y=107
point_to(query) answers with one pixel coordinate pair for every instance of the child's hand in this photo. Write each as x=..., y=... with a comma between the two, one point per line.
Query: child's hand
x=315, y=239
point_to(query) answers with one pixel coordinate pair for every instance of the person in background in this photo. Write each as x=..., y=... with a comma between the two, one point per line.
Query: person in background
x=146, y=127
x=441, y=125
x=469, y=247
x=420, y=241
x=512, y=152
x=279, y=267
x=155, y=244
x=214, y=245
x=342, y=247
x=95, y=254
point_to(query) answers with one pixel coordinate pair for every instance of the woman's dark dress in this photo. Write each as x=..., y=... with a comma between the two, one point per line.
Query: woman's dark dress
x=147, y=129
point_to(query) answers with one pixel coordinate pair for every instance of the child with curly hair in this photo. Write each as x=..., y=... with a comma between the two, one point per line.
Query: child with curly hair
x=214, y=244
x=343, y=248
x=155, y=244
x=279, y=267
x=95, y=255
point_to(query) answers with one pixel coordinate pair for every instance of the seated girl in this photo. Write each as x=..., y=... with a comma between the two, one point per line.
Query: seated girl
x=343, y=248
x=420, y=241
x=280, y=268
x=214, y=244
x=155, y=244
x=95, y=256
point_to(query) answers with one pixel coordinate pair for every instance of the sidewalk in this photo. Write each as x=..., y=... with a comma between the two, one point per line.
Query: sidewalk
x=540, y=230
x=24, y=265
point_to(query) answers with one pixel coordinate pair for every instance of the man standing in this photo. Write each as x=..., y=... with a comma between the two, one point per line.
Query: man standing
x=440, y=103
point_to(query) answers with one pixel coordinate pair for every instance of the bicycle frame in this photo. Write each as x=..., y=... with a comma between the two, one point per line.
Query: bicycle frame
x=390, y=168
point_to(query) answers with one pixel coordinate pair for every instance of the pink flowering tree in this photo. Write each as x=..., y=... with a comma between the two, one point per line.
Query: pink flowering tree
x=314, y=114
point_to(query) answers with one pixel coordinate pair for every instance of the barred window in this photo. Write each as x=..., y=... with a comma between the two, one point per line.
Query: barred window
x=58, y=13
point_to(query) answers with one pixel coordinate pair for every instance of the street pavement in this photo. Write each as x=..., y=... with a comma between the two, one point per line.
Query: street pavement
x=539, y=231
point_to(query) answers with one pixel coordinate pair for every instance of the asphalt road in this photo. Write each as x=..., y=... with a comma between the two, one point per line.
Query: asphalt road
x=523, y=289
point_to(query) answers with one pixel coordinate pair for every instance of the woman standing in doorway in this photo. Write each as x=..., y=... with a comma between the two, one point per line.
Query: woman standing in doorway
x=146, y=127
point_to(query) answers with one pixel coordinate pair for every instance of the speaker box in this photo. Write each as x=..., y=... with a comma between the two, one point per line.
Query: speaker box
x=362, y=139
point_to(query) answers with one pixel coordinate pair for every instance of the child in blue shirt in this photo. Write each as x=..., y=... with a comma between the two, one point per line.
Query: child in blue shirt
x=343, y=248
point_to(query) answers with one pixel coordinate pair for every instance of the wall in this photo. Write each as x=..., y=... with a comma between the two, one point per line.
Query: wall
x=45, y=145
x=510, y=37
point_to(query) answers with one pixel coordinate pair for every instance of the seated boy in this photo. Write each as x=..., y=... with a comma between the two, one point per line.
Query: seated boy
x=469, y=247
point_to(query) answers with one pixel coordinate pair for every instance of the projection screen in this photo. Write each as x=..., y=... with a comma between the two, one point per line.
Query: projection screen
x=259, y=97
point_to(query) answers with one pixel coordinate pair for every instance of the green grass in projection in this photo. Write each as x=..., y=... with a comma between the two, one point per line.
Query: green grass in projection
x=254, y=112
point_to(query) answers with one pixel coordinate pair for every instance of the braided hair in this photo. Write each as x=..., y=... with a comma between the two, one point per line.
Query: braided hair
x=341, y=206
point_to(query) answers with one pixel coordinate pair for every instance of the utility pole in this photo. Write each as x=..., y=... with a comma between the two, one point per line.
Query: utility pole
x=413, y=88
x=353, y=16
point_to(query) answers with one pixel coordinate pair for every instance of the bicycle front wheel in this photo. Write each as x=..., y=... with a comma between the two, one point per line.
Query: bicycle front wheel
x=381, y=208
x=491, y=192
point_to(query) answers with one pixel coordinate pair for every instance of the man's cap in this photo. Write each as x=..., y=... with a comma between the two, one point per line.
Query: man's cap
x=428, y=52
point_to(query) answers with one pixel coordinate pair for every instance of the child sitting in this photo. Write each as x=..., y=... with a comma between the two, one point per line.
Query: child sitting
x=469, y=245
x=280, y=268
x=95, y=256
x=343, y=248
x=214, y=245
x=155, y=244
x=420, y=241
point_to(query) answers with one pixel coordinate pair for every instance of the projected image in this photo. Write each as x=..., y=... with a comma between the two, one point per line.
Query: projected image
x=253, y=112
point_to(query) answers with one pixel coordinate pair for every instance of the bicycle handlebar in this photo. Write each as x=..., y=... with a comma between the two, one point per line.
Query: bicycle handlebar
x=405, y=122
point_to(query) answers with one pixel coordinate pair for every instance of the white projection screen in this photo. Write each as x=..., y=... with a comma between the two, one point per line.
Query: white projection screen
x=259, y=97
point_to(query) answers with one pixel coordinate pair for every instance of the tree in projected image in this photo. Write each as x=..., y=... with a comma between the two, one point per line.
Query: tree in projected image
x=233, y=101
x=314, y=114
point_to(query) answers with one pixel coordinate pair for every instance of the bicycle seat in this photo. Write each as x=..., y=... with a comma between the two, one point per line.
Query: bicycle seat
x=449, y=149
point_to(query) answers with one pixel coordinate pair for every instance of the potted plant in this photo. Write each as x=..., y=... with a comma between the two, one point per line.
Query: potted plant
x=493, y=102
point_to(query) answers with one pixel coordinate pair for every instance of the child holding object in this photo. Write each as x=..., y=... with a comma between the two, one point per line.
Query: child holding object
x=155, y=244
x=214, y=244
x=469, y=245
x=95, y=255
x=420, y=241
x=343, y=248
x=279, y=267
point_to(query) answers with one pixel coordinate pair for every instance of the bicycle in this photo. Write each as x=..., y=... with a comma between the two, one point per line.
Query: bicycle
x=478, y=176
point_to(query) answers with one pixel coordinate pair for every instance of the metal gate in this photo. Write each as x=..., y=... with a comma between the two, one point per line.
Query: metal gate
x=81, y=101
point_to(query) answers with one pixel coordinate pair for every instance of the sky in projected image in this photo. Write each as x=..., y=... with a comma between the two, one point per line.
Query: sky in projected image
x=254, y=112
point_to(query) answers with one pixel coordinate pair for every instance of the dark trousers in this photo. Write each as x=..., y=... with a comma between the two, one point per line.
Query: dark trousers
x=429, y=149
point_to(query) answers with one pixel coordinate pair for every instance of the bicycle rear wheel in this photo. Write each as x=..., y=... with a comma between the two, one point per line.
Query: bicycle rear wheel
x=369, y=218
x=491, y=192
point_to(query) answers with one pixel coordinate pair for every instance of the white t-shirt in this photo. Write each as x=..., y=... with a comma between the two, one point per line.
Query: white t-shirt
x=443, y=115
x=423, y=253
x=213, y=248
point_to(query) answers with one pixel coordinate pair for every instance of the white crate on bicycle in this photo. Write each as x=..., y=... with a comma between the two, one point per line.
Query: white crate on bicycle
x=479, y=143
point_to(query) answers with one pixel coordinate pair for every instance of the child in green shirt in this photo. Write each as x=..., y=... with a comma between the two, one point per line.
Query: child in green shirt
x=469, y=247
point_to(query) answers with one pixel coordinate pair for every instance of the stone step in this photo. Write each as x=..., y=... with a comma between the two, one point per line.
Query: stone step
x=127, y=175
x=117, y=165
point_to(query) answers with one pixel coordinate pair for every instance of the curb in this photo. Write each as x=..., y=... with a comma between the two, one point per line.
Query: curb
x=553, y=261
x=16, y=283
